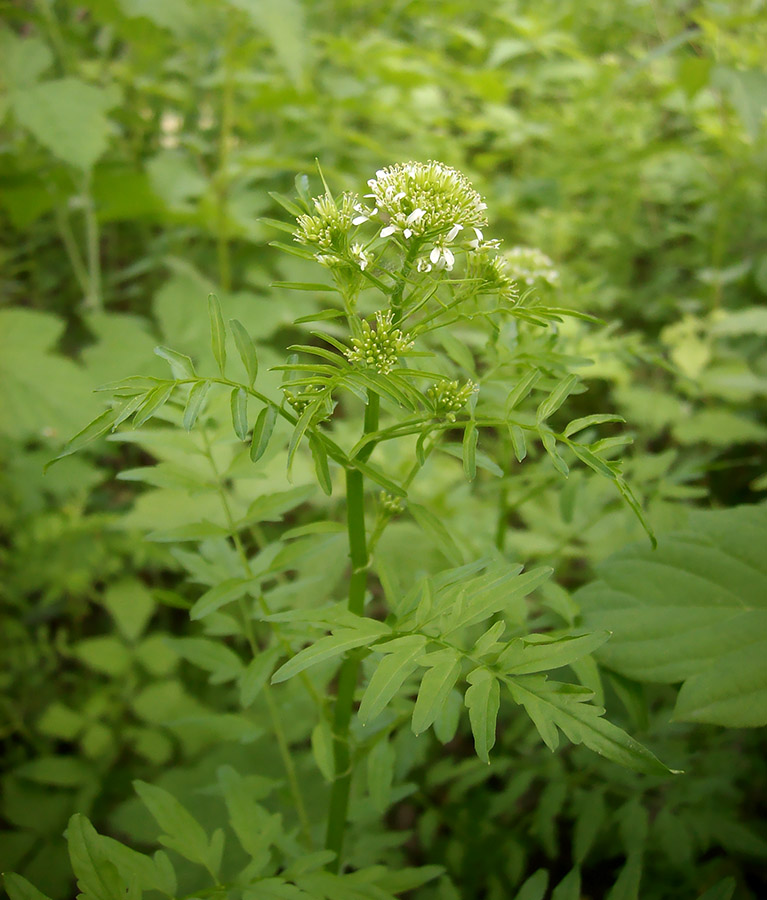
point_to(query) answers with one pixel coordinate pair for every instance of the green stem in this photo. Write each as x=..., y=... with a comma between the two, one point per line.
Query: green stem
x=247, y=624
x=93, y=241
x=347, y=681
x=73, y=251
x=222, y=178
x=396, y=297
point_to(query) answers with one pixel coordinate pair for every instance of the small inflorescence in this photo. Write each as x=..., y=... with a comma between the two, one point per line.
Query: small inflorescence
x=328, y=230
x=379, y=348
x=449, y=397
x=300, y=401
x=492, y=275
x=391, y=505
x=530, y=265
x=431, y=199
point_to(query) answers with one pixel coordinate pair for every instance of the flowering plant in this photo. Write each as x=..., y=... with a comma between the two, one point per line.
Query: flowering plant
x=425, y=345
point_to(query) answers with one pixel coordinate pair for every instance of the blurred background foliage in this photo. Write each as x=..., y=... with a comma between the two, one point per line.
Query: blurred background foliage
x=139, y=145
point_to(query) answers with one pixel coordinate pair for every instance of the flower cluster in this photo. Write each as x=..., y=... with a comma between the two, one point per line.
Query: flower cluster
x=300, y=401
x=449, y=397
x=328, y=230
x=492, y=275
x=424, y=199
x=379, y=348
x=391, y=505
x=530, y=265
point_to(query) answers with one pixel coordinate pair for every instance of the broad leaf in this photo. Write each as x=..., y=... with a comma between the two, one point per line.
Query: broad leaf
x=693, y=611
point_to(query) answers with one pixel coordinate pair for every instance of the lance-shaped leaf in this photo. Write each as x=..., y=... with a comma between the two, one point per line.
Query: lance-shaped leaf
x=436, y=685
x=483, y=699
x=181, y=365
x=330, y=647
x=401, y=659
x=552, y=705
x=195, y=403
x=217, y=332
x=239, y=406
x=262, y=432
x=538, y=653
x=182, y=832
x=246, y=348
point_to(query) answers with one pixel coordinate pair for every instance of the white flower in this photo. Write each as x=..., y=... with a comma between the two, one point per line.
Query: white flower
x=359, y=256
x=442, y=257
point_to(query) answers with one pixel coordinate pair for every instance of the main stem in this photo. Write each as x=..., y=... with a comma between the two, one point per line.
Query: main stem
x=347, y=679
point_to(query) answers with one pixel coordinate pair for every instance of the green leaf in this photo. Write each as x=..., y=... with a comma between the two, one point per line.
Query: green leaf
x=722, y=890
x=551, y=704
x=436, y=685
x=322, y=749
x=239, y=406
x=592, y=815
x=153, y=402
x=522, y=657
x=180, y=365
x=470, y=437
x=593, y=461
x=330, y=647
x=587, y=421
x=321, y=469
x=483, y=700
x=314, y=287
x=303, y=423
x=401, y=659
x=379, y=478
x=380, y=774
x=19, y=888
x=217, y=333
x=695, y=611
x=97, y=877
x=283, y=22
x=635, y=507
x=93, y=430
x=433, y=526
x=518, y=442
x=535, y=886
x=29, y=368
x=257, y=674
x=219, y=595
x=550, y=446
x=557, y=397
x=262, y=432
x=627, y=885
x=68, y=117
x=521, y=389
x=569, y=888
x=246, y=348
x=195, y=403
x=183, y=833
x=213, y=656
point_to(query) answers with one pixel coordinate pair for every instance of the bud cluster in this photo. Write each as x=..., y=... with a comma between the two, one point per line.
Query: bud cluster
x=328, y=230
x=300, y=401
x=379, y=348
x=530, y=265
x=449, y=397
x=391, y=505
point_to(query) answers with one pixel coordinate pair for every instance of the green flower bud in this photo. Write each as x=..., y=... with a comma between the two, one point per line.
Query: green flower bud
x=379, y=348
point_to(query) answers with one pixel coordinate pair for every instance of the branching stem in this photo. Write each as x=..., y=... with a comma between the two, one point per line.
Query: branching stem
x=347, y=679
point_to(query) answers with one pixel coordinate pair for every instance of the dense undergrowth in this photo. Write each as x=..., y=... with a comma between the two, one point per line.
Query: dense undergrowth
x=147, y=157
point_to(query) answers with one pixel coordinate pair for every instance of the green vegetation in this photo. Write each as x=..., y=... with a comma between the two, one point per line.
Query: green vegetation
x=382, y=450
